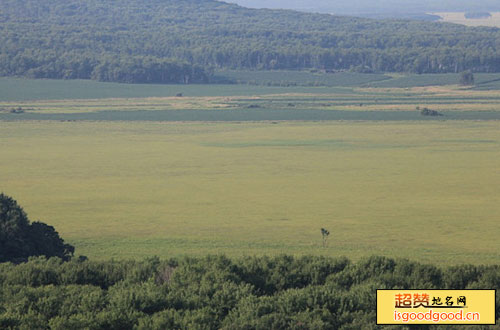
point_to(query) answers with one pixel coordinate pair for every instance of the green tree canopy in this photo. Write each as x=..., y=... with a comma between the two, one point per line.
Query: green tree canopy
x=19, y=239
x=467, y=78
x=184, y=41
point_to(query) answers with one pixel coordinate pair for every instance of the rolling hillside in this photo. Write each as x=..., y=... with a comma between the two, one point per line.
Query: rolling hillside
x=182, y=41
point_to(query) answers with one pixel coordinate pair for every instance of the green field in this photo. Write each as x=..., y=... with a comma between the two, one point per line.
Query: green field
x=248, y=103
x=14, y=89
x=352, y=79
x=129, y=171
x=425, y=190
x=251, y=83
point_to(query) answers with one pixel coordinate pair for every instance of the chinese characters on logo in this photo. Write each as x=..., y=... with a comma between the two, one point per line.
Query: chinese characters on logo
x=406, y=300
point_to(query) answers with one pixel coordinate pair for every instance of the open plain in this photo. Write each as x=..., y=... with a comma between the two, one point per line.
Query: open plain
x=425, y=188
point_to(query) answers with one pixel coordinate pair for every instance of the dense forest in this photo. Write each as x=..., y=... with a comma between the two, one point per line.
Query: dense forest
x=182, y=41
x=216, y=292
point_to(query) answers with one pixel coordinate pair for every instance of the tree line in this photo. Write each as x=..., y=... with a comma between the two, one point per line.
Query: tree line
x=182, y=41
x=216, y=292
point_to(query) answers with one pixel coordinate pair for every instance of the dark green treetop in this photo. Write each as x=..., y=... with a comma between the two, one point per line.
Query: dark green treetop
x=20, y=239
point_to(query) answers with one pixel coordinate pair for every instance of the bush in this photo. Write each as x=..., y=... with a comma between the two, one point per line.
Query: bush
x=467, y=78
x=429, y=112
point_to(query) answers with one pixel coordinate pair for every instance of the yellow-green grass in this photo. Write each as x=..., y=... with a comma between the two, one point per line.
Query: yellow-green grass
x=442, y=98
x=459, y=18
x=121, y=104
x=429, y=191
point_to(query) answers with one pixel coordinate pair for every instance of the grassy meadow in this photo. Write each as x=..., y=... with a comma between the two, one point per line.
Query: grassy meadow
x=247, y=83
x=423, y=190
x=459, y=18
x=18, y=89
x=449, y=98
x=109, y=168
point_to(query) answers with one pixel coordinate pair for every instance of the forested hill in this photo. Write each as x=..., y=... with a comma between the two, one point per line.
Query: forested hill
x=181, y=41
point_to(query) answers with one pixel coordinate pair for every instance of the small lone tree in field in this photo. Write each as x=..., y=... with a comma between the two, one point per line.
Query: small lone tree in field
x=324, y=233
x=467, y=78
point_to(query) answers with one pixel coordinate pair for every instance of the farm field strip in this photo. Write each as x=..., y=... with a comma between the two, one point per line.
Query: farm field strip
x=459, y=18
x=18, y=90
x=372, y=100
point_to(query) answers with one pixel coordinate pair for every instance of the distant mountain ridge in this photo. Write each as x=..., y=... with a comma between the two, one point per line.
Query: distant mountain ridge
x=182, y=41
